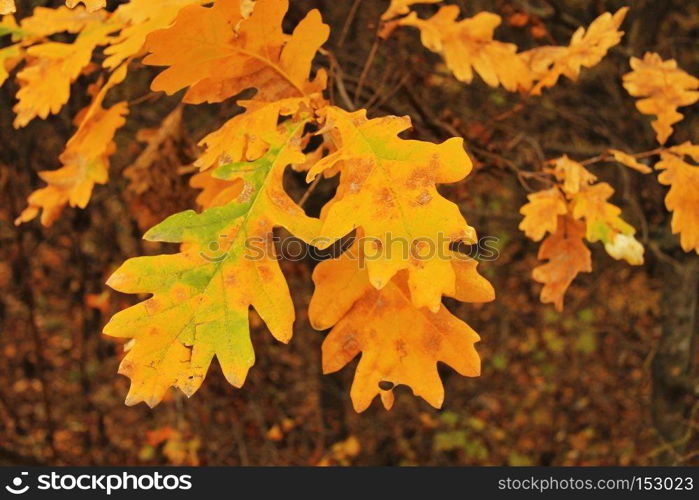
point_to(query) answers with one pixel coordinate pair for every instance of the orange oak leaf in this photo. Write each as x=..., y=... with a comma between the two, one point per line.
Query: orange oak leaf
x=399, y=342
x=683, y=197
x=572, y=174
x=567, y=256
x=217, y=53
x=541, y=213
x=468, y=46
x=242, y=137
x=586, y=49
x=85, y=159
x=45, y=21
x=663, y=87
x=388, y=188
x=139, y=18
x=90, y=5
x=629, y=161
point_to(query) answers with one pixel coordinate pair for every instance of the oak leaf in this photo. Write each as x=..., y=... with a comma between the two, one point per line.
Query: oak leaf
x=217, y=53
x=683, y=197
x=399, y=342
x=586, y=49
x=629, y=161
x=604, y=224
x=139, y=18
x=242, y=137
x=401, y=7
x=90, y=5
x=468, y=46
x=625, y=247
x=52, y=67
x=215, y=192
x=7, y=7
x=388, y=188
x=201, y=295
x=8, y=57
x=567, y=256
x=572, y=174
x=663, y=88
x=541, y=213
x=85, y=159
x=601, y=217
x=45, y=21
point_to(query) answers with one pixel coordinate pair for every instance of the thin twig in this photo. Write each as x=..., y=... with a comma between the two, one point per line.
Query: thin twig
x=309, y=190
x=338, y=78
x=390, y=93
x=348, y=22
x=367, y=66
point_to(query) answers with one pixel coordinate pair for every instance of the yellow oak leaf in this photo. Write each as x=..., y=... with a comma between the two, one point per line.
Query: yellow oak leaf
x=7, y=7
x=140, y=18
x=683, y=197
x=399, y=342
x=215, y=192
x=52, y=67
x=85, y=159
x=202, y=295
x=217, y=53
x=663, y=87
x=572, y=174
x=8, y=57
x=585, y=50
x=8, y=26
x=45, y=21
x=91, y=5
x=567, y=256
x=388, y=188
x=541, y=213
x=629, y=161
x=601, y=217
x=242, y=137
x=468, y=46
x=604, y=224
x=686, y=149
x=401, y=8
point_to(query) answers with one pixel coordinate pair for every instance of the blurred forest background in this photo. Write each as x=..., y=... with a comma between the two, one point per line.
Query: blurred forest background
x=610, y=381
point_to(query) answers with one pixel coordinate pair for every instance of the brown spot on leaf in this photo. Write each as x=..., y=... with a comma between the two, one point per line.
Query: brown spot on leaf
x=423, y=198
x=265, y=273
x=350, y=347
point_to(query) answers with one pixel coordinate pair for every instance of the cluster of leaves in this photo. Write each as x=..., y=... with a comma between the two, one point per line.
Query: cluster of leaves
x=577, y=206
x=379, y=301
